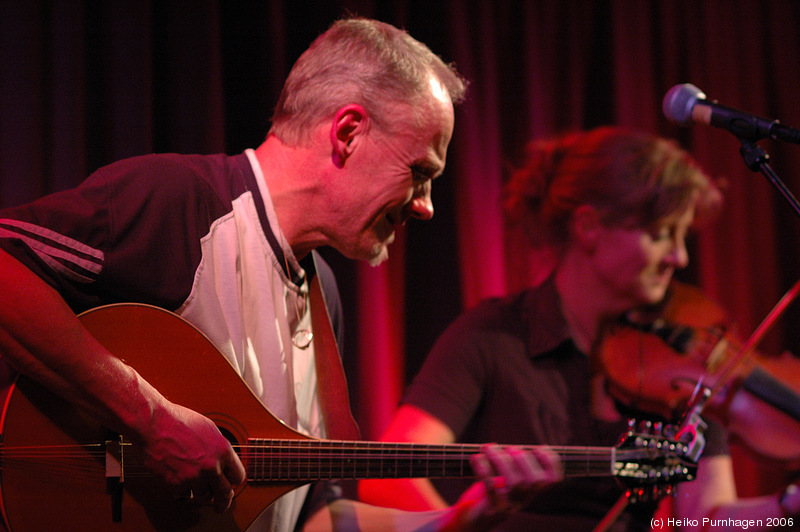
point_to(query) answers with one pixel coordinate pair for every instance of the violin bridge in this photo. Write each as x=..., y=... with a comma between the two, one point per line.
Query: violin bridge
x=716, y=357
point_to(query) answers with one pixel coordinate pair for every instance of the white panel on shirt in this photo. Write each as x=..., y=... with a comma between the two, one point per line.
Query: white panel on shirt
x=244, y=303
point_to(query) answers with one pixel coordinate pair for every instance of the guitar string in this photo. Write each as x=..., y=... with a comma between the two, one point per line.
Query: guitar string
x=262, y=452
x=340, y=447
x=302, y=465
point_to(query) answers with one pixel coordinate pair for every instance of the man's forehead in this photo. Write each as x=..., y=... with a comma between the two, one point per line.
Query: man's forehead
x=438, y=90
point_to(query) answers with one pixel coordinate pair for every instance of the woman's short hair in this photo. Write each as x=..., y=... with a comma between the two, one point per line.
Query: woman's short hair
x=632, y=178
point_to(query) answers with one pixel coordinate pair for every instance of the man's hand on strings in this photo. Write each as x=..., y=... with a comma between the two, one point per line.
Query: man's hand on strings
x=509, y=479
x=192, y=456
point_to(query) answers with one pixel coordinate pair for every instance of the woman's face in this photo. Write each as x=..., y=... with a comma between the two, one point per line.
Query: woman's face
x=637, y=264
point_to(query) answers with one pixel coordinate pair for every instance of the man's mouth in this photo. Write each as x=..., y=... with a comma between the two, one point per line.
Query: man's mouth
x=385, y=230
x=395, y=220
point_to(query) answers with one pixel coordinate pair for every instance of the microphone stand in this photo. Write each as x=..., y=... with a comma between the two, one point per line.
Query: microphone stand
x=757, y=160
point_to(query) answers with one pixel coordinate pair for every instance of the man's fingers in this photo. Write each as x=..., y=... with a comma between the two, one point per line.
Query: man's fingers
x=223, y=497
x=228, y=475
x=497, y=470
x=233, y=469
x=511, y=476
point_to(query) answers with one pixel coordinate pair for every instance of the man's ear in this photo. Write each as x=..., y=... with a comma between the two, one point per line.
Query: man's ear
x=586, y=226
x=349, y=124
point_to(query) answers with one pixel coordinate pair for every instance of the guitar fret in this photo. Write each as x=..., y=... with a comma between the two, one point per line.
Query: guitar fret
x=284, y=463
x=291, y=466
x=276, y=471
x=371, y=460
x=263, y=457
x=397, y=457
x=309, y=446
x=319, y=466
x=341, y=474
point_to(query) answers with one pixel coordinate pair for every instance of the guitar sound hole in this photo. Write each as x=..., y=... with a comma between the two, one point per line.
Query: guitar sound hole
x=229, y=436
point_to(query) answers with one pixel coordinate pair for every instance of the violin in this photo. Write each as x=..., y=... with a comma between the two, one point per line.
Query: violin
x=658, y=359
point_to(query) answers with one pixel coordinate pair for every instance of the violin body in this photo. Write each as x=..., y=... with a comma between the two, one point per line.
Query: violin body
x=658, y=358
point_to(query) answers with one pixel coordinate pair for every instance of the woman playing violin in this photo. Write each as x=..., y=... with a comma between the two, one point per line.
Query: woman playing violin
x=613, y=208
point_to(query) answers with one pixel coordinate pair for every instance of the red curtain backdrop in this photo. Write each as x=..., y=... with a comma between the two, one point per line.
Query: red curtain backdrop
x=84, y=83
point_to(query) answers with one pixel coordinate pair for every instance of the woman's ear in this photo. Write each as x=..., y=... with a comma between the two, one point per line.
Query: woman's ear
x=586, y=226
x=349, y=124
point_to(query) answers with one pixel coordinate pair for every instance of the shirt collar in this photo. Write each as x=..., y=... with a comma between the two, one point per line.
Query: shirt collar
x=272, y=230
x=541, y=308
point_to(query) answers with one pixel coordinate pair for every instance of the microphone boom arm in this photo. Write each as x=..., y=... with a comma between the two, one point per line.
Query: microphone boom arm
x=757, y=159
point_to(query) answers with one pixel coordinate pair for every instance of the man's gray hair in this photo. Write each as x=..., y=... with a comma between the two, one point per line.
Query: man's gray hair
x=360, y=61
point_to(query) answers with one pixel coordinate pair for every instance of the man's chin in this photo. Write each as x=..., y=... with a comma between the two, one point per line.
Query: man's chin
x=380, y=250
x=380, y=255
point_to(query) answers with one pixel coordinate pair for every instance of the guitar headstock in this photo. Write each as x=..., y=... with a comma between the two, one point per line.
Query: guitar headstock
x=650, y=460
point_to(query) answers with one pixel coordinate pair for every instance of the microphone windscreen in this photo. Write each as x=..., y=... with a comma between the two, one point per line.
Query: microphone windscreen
x=679, y=102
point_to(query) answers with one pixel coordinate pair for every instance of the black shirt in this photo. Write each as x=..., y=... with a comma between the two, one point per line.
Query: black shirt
x=508, y=372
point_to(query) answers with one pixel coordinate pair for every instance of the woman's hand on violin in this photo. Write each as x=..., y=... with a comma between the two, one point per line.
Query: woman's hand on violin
x=789, y=501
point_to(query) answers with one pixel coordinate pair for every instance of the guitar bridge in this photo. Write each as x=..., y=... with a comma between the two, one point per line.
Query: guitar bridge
x=115, y=476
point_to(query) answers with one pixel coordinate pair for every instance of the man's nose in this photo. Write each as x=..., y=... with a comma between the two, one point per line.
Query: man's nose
x=421, y=206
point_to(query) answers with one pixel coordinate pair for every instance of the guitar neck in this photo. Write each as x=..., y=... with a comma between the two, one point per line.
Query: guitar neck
x=313, y=460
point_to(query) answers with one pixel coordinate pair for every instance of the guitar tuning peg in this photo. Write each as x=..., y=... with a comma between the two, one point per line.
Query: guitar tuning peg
x=636, y=495
x=657, y=493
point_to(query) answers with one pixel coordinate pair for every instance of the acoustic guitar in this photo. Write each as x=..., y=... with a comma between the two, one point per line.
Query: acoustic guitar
x=63, y=471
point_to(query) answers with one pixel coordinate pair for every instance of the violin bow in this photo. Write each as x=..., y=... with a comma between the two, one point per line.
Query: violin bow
x=758, y=334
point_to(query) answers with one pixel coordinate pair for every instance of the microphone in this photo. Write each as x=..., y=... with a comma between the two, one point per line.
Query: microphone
x=686, y=104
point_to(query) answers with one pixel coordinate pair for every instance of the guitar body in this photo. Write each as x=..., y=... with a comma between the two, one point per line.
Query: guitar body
x=45, y=488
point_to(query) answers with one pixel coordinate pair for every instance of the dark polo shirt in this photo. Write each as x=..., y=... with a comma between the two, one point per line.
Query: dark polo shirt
x=508, y=372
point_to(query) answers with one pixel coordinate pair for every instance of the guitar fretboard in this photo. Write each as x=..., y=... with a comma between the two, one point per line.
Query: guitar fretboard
x=311, y=460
